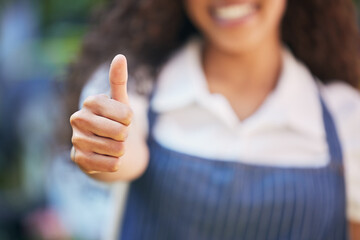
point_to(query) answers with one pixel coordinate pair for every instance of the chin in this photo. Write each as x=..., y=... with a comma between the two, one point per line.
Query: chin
x=237, y=26
x=235, y=45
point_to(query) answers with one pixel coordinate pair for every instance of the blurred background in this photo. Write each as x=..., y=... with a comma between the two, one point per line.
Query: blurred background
x=38, y=39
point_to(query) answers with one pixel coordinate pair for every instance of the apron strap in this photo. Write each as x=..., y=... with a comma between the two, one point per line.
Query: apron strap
x=332, y=137
x=151, y=114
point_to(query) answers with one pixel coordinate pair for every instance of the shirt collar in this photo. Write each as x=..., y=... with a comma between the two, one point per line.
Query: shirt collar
x=296, y=97
x=294, y=102
x=180, y=86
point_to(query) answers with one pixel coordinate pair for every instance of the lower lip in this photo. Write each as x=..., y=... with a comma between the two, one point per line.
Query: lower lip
x=234, y=22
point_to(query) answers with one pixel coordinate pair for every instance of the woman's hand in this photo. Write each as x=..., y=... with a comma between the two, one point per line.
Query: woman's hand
x=100, y=128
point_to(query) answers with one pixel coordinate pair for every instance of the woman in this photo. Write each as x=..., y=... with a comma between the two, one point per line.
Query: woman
x=240, y=140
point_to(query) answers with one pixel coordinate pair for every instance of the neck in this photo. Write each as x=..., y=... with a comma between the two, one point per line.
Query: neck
x=249, y=70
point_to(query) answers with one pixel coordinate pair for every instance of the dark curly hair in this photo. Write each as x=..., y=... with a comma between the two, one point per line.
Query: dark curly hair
x=323, y=34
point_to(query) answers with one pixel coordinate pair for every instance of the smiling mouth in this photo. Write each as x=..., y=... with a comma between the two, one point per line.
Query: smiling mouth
x=234, y=12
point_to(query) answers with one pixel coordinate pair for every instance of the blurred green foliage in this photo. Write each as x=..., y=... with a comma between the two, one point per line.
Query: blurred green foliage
x=43, y=54
x=62, y=25
x=54, y=11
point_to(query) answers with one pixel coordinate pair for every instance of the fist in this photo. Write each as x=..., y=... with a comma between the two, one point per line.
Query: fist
x=100, y=128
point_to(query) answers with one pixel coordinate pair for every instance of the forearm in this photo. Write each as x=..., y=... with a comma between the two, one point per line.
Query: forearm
x=354, y=230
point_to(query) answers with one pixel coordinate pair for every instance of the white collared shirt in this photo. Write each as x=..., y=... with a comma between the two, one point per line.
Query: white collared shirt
x=286, y=131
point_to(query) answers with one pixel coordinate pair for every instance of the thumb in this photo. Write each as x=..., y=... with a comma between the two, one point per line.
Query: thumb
x=118, y=79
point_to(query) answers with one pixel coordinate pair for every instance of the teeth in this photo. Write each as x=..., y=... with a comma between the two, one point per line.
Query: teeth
x=234, y=11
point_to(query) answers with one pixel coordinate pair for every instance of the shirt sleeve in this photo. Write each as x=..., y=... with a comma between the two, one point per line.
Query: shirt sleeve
x=344, y=103
x=98, y=83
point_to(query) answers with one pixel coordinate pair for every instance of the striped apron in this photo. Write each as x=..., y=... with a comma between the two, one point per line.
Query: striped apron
x=187, y=197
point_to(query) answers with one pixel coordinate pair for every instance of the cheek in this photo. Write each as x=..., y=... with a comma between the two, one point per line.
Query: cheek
x=197, y=11
x=274, y=10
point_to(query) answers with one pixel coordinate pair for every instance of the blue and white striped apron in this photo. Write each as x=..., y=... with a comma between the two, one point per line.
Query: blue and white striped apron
x=188, y=197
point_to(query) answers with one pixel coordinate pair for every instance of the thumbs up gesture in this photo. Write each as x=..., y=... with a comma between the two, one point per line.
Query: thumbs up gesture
x=100, y=128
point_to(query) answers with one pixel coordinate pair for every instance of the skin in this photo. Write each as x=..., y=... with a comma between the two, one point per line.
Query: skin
x=101, y=133
x=354, y=228
x=241, y=61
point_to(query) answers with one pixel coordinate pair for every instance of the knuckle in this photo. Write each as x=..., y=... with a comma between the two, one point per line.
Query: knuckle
x=74, y=118
x=80, y=159
x=79, y=118
x=85, y=162
x=89, y=101
x=75, y=139
x=118, y=149
x=114, y=165
x=120, y=133
x=128, y=115
x=123, y=134
x=92, y=102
